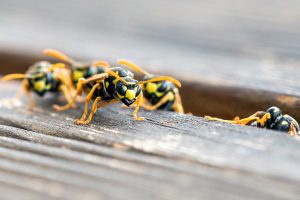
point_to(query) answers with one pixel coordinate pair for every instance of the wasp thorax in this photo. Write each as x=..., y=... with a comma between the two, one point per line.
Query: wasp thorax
x=85, y=70
x=39, y=67
x=122, y=72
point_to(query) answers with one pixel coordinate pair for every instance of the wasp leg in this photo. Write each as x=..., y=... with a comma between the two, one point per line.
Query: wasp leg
x=166, y=98
x=81, y=82
x=241, y=121
x=71, y=103
x=292, y=130
x=66, y=92
x=236, y=118
x=21, y=90
x=26, y=87
x=263, y=116
x=218, y=119
x=68, y=89
x=87, y=101
x=138, y=104
x=17, y=76
x=64, y=76
x=178, y=103
x=246, y=121
x=94, y=108
x=259, y=114
x=264, y=119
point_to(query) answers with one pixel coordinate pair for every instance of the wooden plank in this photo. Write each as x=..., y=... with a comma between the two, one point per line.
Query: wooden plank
x=168, y=156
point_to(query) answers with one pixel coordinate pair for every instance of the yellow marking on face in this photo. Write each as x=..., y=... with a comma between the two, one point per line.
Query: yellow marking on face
x=284, y=123
x=264, y=119
x=120, y=96
x=106, y=84
x=159, y=94
x=124, y=87
x=130, y=94
x=151, y=87
x=115, y=81
x=48, y=86
x=77, y=75
x=171, y=98
x=39, y=85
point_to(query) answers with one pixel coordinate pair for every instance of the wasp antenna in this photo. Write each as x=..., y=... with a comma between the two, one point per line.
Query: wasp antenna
x=132, y=66
x=162, y=78
x=58, y=55
x=116, y=75
x=101, y=63
x=13, y=76
x=55, y=66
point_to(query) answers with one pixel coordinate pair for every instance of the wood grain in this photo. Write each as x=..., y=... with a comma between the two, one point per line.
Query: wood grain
x=167, y=156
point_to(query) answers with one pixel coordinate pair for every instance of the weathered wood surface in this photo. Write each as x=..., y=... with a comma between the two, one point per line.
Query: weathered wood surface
x=167, y=156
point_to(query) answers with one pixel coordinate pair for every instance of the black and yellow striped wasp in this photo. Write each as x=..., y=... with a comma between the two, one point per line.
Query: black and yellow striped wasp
x=163, y=94
x=79, y=69
x=43, y=77
x=115, y=85
x=272, y=118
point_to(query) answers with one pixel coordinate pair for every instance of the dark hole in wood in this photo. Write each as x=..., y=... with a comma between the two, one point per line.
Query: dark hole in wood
x=198, y=98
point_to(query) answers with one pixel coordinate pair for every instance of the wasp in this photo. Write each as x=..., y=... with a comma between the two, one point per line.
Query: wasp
x=115, y=85
x=43, y=77
x=161, y=94
x=272, y=118
x=79, y=69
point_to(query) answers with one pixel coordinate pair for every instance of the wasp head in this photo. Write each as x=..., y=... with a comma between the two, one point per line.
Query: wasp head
x=127, y=91
x=275, y=116
x=40, y=78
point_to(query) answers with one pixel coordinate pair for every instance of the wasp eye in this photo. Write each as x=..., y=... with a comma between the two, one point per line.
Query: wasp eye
x=121, y=88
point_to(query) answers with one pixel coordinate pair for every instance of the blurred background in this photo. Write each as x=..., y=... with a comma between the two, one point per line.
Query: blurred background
x=233, y=56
